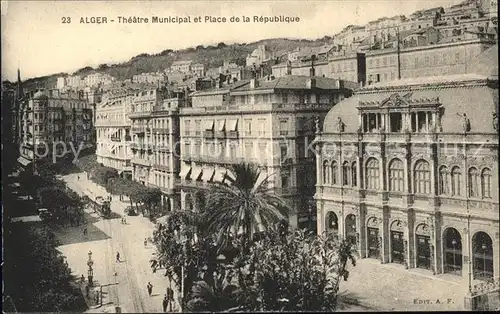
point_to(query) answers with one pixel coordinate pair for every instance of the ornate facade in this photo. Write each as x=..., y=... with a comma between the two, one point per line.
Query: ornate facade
x=408, y=172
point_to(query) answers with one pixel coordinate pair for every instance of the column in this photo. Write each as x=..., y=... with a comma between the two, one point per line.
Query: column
x=427, y=121
x=496, y=255
x=416, y=122
x=386, y=236
x=466, y=255
x=320, y=217
x=377, y=126
x=434, y=125
x=360, y=121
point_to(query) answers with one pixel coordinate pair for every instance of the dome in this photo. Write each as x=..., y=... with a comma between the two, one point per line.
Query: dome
x=40, y=96
x=458, y=94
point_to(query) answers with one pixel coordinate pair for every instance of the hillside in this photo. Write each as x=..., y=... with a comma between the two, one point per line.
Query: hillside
x=211, y=56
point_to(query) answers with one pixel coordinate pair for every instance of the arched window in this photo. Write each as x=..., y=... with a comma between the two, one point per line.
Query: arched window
x=422, y=178
x=444, y=187
x=486, y=183
x=396, y=176
x=334, y=171
x=326, y=173
x=456, y=178
x=354, y=174
x=473, y=182
x=345, y=173
x=372, y=174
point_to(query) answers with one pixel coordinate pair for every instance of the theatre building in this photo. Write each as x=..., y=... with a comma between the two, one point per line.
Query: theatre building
x=408, y=173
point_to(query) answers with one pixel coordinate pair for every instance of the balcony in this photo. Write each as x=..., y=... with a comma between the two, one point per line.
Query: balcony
x=163, y=148
x=232, y=134
x=137, y=129
x=140, y=161
x=194, y=184
x=161, y=166
x=134, y=145
x=208, y=134
x=135, y=115
x=220, y=134
x=161, y=130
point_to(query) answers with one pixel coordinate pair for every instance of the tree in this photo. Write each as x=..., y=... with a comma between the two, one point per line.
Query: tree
x=244, y=204
x=221, y=45
x=290, y=271
x=101, y=175
x=36, y=276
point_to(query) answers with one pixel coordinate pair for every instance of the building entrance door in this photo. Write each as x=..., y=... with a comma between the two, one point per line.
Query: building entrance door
x=373, y=245
x=397, y=247
x=423, y=251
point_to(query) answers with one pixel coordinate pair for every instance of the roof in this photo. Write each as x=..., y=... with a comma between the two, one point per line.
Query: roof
x=308, y=51
x=456, y=94
x=486, y=63
x=40, y=95
x=223, y=90
x=293, y=82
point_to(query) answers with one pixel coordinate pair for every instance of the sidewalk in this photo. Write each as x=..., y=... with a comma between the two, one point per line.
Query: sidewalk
x=390, y=287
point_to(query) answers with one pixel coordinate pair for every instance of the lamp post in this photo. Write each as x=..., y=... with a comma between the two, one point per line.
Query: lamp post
x=454, y=243
x=90, y=263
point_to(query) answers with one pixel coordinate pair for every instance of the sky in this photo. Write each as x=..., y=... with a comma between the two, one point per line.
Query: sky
x=35, y=39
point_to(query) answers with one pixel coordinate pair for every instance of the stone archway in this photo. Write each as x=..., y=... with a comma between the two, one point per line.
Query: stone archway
x=350, y=230
x=423, y=246
x=373, y=241
x=452, y=251
x=398, y=247
x=482, y=250
x=332, y=223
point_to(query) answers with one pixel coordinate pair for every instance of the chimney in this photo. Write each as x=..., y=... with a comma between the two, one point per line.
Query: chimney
x=311, y=83
x=254, y=83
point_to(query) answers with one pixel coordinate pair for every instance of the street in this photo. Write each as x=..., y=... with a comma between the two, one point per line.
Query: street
x=106, y=238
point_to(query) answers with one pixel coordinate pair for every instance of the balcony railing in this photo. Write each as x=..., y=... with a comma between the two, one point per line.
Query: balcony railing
x=162, y=148
x=161, y=130
x=137, y=129
x=139, y=114
x=161, y=166
x=140, y=161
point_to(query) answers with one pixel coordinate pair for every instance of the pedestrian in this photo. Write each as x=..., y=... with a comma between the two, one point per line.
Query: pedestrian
x=150, y=288
x=87, y=290
x=85, y=232
x=124, y=220
x=165, y=303
x=78, y=178
x=118, y=257
x=145, y=242
x=82, y=279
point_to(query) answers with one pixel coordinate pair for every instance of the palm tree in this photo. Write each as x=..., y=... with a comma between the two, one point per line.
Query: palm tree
x=243, y=204
x=218, y=298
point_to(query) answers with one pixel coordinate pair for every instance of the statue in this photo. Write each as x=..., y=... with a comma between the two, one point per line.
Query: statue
x=495, y=121
x=466, y=123
x=340, y=125
x=316, y=125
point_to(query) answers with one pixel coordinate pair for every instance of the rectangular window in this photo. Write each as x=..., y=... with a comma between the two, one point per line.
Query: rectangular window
x=396, y=122
x=283, y=127
x=248, y=127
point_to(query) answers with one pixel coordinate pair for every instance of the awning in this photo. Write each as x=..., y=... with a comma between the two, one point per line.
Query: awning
x=184, y=172
x=208, y=173
x=232, y=125
x=219, y=175
x=195, y=174
x=23, y=161
x=220, y=125
x=209, y=125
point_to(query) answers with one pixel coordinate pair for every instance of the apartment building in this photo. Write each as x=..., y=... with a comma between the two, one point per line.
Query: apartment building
x=349, y=35
x=113, y=129
x=155, y=131
x=181, y=66
x=260, y=55
x=150, y=78
x=269, y=122
x=444, y=58
x=384, y=28
x=198, y=69
x=48, y=117
x=348, y=67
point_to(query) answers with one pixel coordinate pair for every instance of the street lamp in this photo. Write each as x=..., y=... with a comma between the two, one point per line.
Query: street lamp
x=90, y=263
x=454, y=243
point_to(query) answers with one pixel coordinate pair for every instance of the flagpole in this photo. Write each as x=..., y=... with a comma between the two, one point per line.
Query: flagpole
x=399, y=54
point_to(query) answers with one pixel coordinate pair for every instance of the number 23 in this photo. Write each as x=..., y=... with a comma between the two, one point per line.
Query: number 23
x=65, y=20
